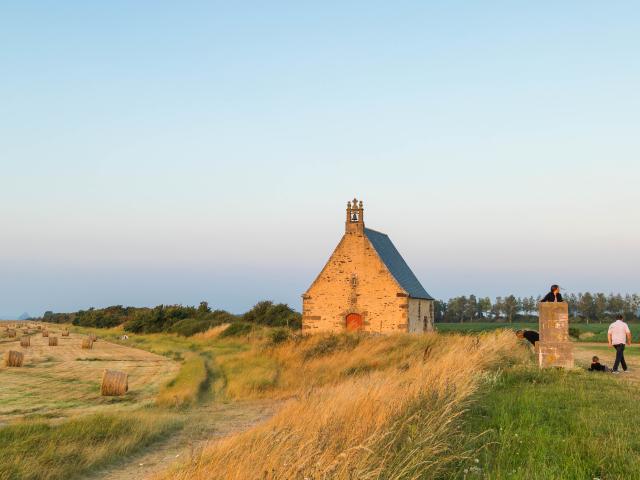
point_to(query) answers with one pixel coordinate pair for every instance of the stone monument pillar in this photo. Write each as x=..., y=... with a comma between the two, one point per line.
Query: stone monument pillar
x=554, y=348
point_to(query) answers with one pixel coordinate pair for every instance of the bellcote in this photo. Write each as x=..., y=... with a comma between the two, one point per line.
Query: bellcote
x=355, y=217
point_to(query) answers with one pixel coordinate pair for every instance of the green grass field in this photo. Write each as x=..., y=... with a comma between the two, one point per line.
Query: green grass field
x=531, y=424
x=592, y=332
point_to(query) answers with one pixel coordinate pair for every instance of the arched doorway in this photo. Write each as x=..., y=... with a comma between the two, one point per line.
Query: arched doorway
x=354, y=322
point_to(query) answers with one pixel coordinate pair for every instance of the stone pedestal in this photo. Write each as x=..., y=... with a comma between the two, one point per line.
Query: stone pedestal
x=554, y=348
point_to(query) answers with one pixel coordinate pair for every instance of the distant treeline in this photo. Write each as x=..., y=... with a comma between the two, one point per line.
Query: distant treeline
x=586, y=307
x=184, y=320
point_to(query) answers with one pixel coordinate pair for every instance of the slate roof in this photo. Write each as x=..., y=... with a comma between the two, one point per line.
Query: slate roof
x=396, y=264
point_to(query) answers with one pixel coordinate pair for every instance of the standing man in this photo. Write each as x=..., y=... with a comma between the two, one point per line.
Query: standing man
x=619, y=335
x=554, y=295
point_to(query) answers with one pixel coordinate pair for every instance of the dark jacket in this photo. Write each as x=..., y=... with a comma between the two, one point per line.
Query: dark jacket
x=531, y=335
x=549, y=297
x=597, y=367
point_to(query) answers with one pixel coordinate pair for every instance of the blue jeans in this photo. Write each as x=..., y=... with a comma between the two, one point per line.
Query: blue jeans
x=619, y=357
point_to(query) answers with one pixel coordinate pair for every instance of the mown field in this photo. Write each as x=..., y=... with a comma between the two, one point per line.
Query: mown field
x=470, y=405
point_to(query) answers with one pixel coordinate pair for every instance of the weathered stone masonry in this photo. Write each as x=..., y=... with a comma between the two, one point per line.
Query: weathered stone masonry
x=366, y=285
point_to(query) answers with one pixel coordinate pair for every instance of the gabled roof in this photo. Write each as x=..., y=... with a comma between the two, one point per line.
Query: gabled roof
x=396, y=264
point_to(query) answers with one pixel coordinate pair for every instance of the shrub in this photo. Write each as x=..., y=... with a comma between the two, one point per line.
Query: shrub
x=325, y=346
x=237, y=329
x=574, y=332
x=191, y=326
x=279, y=335
x=273, y=315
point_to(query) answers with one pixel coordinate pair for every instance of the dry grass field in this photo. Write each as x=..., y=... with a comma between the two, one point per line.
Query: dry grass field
x=64, y=380
x=260, y=405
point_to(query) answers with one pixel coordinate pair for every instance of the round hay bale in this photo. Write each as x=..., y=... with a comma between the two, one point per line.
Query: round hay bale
x=65, y=333
x=53, y=341
x=45, y=333
x=114, y=383
x=11, y=333
x=39, y=327
x=25, y=341
x=87, y=343
x=13, y=359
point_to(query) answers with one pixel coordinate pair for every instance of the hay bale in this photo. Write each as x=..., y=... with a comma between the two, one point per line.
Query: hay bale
x=65, y=333
x=11, y=333
x=13, y=359
x=25, y=341
x=39, y=327
x=93, y=337
x=114, y=383
x=87, y=343
x=45, y=333
x=53, y=341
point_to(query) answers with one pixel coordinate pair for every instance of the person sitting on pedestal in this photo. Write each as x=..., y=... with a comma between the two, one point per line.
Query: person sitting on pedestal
x=530, y=335
x=553, y=295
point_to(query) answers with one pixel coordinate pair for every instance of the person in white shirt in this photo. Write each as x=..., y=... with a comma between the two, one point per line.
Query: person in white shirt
x=619, y=335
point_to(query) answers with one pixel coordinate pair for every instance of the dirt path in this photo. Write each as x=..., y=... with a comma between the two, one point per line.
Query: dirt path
x=584, y=351
x=204, y=424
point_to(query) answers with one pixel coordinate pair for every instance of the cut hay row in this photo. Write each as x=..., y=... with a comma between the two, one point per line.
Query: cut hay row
x=53, y=341
x=114, y=383
x=13, y=359
x=25, y=341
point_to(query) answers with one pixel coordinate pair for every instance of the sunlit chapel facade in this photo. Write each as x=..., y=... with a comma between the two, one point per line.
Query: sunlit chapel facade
x=366, y=285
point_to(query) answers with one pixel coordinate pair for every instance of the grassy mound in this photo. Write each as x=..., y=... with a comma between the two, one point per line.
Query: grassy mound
x=362, y=407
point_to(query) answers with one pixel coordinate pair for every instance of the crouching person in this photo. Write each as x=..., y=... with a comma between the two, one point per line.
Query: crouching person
x=596, y=366
x=530, y=335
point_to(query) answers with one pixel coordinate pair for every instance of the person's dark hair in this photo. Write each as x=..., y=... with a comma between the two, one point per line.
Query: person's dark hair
x=554, y=287
x=595, y=359
x=518, y=332
x=619, y=317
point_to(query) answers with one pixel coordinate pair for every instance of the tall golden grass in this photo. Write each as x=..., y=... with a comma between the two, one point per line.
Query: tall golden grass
x=213, y=332
x=364, y=408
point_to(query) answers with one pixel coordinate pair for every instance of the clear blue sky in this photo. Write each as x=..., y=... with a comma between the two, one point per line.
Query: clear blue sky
x=170, y=152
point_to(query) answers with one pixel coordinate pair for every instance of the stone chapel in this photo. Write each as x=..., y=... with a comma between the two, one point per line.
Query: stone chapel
x=366, y=285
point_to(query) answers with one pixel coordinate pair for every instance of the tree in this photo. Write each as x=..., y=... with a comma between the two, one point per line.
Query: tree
x=615, y=304
x=599, y=307
x=586, y=305
x=484, y=307
x=510, y=307
x=498, y=308
x=470, y=308
x=440, y=310
x=203, y=309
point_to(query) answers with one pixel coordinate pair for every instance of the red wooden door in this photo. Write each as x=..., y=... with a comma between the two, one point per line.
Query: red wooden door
x=354, y=321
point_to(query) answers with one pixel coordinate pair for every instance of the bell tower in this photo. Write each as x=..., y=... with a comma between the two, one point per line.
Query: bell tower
x=355, y=218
